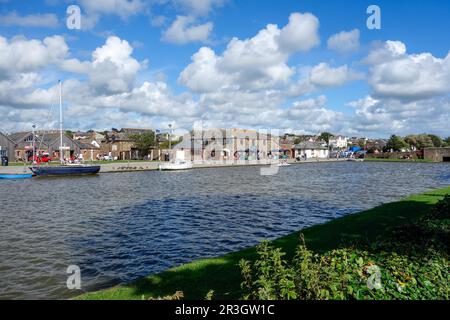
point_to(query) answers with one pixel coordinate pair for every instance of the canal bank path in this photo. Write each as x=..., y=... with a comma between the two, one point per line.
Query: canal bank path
x=151, y=166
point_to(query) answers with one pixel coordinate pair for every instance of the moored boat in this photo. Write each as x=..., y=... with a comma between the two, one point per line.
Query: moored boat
x=16, y=175
x=176, y=165
x=64, y=170
x=355, y=160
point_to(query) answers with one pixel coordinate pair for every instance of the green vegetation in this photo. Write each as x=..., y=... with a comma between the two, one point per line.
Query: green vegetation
x=223, y=274
x=407, y=262
x=418, y=141
x=396, y=143
x=326, y=136
x=143, y=142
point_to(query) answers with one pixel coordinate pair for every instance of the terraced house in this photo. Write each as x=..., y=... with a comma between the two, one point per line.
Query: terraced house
x=48, y=142
x=228, y=144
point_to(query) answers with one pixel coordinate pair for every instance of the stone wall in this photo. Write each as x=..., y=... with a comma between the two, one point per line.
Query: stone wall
x=397, y=155
x=437, y=154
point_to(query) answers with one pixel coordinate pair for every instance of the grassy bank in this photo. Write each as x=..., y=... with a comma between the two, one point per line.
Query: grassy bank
x=223, y=274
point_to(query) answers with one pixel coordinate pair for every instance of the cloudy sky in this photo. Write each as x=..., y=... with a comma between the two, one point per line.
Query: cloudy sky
x=298, y=66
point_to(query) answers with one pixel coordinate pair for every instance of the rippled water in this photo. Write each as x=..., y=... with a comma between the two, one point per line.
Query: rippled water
x=118, y=227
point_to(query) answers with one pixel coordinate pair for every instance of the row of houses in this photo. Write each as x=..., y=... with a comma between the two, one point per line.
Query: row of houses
x=211, y=144
x=92, y=145
x=242, y=144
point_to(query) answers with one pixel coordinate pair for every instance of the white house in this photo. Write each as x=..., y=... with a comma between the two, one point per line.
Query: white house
x=338, y=142
x=311, y=150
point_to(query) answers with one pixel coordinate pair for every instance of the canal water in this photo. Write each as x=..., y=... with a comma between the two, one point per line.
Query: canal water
x=119, y=227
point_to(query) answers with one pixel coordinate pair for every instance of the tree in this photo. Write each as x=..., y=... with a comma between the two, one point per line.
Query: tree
x=447, y=141
x=437, y=141
x=143, y=142
x=325, y=136
x=69, y=134
x=421, y=141
x=396, y=143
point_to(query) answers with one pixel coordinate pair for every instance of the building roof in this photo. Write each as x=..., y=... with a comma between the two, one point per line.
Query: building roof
x=306, y=145
x=7, y=138
x=84, y=145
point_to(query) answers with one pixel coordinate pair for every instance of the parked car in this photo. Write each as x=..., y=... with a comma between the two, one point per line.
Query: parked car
x=42, y=158
x=107, y=158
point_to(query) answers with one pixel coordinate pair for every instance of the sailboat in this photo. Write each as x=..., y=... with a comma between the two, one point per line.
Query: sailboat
x=64, y=169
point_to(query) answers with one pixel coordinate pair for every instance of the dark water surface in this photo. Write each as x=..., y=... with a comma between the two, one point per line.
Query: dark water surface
x=119, y=227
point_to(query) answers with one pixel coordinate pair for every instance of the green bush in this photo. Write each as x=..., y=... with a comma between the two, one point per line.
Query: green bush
x=411, y=262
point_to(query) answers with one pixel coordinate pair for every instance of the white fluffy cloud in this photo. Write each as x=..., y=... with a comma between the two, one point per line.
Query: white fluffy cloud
x=94, y=10
x=322, y=75
x=300, y=34
x=396, y=74
x=22, y=55
x=391, y=116
x=185, y=29
x=256, y=63
x=113, y=67
x=104, y=96
x=345, y=41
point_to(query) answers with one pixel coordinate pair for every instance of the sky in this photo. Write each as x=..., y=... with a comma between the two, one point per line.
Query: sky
x=295, y=66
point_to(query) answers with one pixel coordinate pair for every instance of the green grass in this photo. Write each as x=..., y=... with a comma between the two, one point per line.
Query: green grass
x=222, y=274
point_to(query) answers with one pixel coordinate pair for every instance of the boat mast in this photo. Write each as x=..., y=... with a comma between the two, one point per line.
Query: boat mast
x=61, y=157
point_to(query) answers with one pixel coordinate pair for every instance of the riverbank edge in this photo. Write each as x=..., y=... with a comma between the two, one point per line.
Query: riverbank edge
x=139, y=166
x=222, y=274
x=143, y=166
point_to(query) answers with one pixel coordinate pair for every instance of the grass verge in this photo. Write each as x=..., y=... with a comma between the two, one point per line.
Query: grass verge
x=223, y=275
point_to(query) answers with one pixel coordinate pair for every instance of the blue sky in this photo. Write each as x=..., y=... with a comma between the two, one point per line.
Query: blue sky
x=132, y=65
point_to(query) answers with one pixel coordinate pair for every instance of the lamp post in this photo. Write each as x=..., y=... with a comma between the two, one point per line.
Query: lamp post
x=170, y=136
x=34, y=144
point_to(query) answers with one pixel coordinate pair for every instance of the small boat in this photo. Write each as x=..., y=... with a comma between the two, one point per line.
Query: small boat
x=16, y=175
x=283, y=164
x=355, y=160
x=176, y=165
x=65, y=170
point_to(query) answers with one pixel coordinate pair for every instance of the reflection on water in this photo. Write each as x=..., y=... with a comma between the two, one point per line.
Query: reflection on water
x=118, y=227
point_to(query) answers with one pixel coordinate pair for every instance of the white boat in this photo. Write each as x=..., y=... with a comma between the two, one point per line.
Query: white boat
x=355, y=160
x=176, y=165
x=283, y=164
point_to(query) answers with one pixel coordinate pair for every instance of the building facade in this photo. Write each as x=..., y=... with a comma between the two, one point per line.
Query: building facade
x=7, y=147
x=120, y=145
x=338, y=142
x=310, y=150
x=45, y=142
x=227, y=145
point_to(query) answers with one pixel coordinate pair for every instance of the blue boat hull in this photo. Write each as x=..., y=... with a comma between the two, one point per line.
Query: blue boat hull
x=15, y=176
x=64, y=170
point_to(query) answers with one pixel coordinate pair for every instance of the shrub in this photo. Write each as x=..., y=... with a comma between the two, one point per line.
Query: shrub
x=409, y=262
